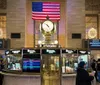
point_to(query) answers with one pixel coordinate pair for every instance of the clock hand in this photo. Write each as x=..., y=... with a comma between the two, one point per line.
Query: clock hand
x=47, y=25
x=48, y=28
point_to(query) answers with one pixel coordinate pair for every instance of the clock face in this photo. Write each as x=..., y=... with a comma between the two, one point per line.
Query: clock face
x=47, y=26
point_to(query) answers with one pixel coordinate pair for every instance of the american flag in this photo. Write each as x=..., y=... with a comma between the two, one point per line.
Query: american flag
x=42, y=10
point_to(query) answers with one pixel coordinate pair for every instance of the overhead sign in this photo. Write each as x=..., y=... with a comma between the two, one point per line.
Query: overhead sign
x=50, y=51
x=83, y=52
x=15, y=51
x=94, y=44
x=69, y=51
x=31, y=51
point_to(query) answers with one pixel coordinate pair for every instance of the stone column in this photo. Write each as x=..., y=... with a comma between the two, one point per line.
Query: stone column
x=75, y=22
x=16, y=12
x=29, y=38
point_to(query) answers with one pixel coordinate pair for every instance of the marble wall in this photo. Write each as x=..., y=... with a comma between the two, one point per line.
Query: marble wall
x=75, y=22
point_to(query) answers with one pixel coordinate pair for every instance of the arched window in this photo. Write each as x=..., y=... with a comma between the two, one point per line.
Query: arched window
x=91, y=26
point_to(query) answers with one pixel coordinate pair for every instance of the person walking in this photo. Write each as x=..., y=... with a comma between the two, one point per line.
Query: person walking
x=98, y=69
x=94, y=68
x=82, y=76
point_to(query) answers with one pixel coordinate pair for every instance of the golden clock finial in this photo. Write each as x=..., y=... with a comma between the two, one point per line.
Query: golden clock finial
x=47, y=17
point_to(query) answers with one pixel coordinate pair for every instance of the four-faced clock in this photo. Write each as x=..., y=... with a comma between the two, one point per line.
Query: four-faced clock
x=47, y=26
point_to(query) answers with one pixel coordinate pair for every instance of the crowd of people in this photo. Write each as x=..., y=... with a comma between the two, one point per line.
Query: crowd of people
x=83, y=77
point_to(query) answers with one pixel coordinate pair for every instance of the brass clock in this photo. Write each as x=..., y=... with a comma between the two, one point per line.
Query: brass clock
x=47, y=27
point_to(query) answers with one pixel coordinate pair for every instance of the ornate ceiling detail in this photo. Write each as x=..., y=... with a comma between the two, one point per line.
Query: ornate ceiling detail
x=91, y=5
x=3, y=4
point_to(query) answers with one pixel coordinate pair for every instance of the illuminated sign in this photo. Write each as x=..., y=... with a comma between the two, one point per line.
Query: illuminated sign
x=49, y=45
x=15, y=51
x=12, y=52
x=31, y=60
x=83, y=52
x=31, y=65
x=69, y=51
x=94, y=44
x=31, y=51
x=7, y=52
x=50, y=51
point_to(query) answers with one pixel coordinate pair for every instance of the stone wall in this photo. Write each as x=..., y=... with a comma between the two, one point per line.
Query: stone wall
x=75, y=22
x=16, y=13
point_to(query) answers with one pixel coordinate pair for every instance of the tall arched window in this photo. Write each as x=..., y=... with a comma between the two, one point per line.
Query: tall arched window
x=92, y=23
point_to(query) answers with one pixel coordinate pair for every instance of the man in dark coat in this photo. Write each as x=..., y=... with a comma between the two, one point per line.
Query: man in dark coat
x=98, y=70
x=83, y=77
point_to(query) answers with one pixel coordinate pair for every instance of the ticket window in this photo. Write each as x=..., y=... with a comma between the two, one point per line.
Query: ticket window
x=69, y=61
x=13, y=60
x=31, y=62
x=84, y=55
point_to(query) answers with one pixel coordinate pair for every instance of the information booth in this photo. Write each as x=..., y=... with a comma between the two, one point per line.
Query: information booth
x=51, y=66
x=69, y=60
x=13, y=58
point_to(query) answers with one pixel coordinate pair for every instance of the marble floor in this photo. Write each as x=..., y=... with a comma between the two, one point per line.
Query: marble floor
x=36, y=80
x=97, y=83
